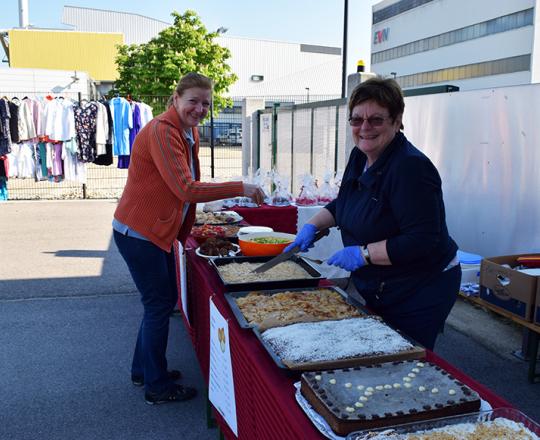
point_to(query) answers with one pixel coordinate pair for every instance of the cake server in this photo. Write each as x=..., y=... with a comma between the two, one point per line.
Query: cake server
x=286, y=255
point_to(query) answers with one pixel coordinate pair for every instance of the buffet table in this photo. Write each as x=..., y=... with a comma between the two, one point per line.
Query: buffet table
x=279, y=218
x=265, y=401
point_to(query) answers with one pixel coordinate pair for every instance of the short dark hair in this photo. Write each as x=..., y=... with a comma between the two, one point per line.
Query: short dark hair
x=384, y=91
x=189, y=81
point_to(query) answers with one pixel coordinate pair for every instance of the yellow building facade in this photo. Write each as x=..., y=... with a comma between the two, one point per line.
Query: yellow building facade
x=92, y=52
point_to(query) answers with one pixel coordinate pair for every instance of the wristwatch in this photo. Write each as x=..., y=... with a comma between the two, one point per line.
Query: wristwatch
x=365, y=253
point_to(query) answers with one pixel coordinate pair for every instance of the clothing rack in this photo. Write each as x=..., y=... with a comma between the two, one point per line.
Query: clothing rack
x=53, y=136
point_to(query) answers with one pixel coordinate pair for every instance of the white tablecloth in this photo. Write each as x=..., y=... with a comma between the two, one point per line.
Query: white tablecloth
x=325, y=247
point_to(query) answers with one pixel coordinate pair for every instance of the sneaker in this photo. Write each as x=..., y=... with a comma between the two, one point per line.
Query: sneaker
x=177, y=393
x=138, y=381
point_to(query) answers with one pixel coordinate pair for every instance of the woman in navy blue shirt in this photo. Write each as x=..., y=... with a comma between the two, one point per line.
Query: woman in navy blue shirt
x=391, y=214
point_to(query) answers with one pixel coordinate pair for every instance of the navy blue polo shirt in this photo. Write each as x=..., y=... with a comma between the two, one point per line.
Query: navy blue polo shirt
x=398, y=199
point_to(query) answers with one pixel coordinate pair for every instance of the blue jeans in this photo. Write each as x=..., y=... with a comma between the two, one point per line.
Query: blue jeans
x=154, y=273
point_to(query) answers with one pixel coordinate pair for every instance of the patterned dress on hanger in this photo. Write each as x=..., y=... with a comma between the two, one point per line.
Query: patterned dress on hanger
x=85, y=127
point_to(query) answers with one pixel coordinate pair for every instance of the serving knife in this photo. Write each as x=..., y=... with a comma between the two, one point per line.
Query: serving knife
x=286, y=255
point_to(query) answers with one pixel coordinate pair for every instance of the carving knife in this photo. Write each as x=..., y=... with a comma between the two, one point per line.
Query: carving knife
x=286, y=255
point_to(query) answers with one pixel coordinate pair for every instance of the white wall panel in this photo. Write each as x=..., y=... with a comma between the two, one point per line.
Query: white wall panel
x=286, y=69
x=485, y=146
x=21, y=82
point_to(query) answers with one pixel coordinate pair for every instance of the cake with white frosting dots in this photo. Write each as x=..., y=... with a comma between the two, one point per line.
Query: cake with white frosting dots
x=354, y=399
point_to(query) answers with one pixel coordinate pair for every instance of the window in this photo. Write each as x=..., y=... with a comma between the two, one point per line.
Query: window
x=495, y=67
x=478, y=30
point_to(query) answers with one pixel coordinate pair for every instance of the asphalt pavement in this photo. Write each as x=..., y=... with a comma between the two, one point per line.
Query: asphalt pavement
x=69, y=315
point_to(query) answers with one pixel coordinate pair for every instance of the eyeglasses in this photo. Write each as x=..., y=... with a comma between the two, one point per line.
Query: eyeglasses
x=373, y=121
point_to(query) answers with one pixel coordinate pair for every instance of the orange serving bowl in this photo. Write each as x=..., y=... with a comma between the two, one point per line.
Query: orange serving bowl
x=251, y=248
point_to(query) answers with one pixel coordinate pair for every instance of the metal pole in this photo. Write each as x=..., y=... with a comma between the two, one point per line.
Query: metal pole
x=79, y=96
x=292, y=150
x=259, y=112
x=23, y=14
x=344, y=55
x=274, y=134
x=212, y=164
x=311, y=141
x=336, y=149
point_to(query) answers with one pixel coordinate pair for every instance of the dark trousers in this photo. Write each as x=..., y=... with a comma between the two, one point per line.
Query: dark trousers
x=422, y=315
x=154, y=273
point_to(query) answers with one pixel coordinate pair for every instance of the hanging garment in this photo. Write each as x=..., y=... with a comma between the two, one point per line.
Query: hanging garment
x=25, y=124
x=4, y=166
x=102, y=129
x=57, y=169
x=14, y=122
x=107, y=158
x=123, y=161
x=13, y=159
x=123, y=121
x=146, y=113
x=3, y=189
x=85, y=127
x=37, y=114
x=59, y=119
x=5, y=134
x=26, y=163
x=74, y=169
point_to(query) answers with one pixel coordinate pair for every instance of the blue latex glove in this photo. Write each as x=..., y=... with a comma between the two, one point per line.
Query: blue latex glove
x=304, y=239
x=349, y=258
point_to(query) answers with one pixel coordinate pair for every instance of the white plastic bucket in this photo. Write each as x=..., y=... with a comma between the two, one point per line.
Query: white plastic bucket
x=470, y=267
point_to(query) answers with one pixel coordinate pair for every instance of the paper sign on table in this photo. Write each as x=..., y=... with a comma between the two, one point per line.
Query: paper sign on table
x=221, y=383
x=183, y=282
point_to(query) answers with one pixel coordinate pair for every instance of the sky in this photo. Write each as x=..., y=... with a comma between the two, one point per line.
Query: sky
x=300, y=21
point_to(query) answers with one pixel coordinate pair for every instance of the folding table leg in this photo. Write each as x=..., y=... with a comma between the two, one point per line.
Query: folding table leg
x=210, y=420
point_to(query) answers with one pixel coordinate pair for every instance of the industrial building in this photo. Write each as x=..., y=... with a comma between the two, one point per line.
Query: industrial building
x=264, y=68
x=469, y=44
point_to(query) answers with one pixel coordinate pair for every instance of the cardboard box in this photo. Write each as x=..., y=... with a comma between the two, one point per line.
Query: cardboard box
x=507, y=288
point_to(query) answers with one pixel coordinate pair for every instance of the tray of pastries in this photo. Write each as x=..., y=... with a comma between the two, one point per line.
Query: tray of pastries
x=217, y=247
x=274, y=308
x=204, y=232
x=381, y=395
x=237, y=274
x=500, y=423
x=217, y=218
x=338, y=343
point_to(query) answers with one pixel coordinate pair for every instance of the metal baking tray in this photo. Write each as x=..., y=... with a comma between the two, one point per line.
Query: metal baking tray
x=416, y=352
x=408, y=428
x=232, y=296
x=262, y=285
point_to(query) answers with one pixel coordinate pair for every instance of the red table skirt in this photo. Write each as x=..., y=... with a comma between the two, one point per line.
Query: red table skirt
x=280, y=218
x=265, y=403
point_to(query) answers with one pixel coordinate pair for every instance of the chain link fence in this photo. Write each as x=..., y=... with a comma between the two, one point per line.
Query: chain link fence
x=220, y=151
x=308, y=138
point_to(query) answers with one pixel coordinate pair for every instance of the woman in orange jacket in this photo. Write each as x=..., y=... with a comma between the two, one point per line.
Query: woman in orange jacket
x=158, y=206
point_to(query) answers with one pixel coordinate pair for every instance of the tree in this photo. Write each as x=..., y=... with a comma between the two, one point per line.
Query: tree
x=154, y=68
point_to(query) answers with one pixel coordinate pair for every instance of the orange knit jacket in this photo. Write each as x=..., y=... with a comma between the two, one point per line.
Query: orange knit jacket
x=160, y=182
